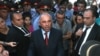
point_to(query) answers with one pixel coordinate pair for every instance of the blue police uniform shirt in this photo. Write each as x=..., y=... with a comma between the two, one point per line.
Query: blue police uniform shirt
x=34, y=14
x=36, y=23
x=69, y=14
x=8, y=21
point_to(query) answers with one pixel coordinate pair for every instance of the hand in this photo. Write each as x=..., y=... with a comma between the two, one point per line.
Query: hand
x=79, y=32
x=5, y=53
x=1, y=48
x=12, y=44
x=67, y=36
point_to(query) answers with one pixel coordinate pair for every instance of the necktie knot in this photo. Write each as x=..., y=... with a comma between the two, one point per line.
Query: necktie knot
x=45, y=33
x=87, y=28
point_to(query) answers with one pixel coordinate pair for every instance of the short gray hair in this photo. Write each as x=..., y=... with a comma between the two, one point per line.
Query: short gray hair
x=45, y=13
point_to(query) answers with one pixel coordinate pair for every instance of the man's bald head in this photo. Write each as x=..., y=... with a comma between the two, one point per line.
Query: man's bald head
x=45, y=15
x=45, y=21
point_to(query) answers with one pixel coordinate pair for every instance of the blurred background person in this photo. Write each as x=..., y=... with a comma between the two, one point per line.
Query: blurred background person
x=27, y=21
x=4, y=12
x=34, y=9
x=26, y=6
x=44, y=6
x=94, y=7
x=64, y=25
x=3, y=52
x=98, y=9
x=6, y=37
x=81, y=6
x=69, y=11
x=79, y=22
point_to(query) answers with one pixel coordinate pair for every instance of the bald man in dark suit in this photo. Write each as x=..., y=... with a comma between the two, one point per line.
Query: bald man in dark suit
x=50, y=44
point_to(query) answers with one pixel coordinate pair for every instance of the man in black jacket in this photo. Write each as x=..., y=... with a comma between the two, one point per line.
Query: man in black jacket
x=89, y=31
x=21, y=34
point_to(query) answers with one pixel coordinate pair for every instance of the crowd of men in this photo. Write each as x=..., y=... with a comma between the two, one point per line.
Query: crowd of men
x=44, y=28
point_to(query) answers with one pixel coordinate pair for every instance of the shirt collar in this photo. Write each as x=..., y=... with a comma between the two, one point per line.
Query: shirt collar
x=43, y=33
x=91, y=26
x=18, y=27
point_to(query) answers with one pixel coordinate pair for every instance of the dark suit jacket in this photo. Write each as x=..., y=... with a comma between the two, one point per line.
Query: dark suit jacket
x=22, y=42
x=94, y=34
x=74, y=37
x=54, y=48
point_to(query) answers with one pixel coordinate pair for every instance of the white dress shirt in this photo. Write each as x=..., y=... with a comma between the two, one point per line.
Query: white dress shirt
x=43, y=33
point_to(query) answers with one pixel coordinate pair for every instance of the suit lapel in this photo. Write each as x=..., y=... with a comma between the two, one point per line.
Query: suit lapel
x=93, y=33
x=40, y=38
x=51, y=38
x=17, y=29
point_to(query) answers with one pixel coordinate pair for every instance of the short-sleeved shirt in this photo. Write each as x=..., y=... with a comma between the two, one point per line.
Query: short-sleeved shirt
x=66, y=27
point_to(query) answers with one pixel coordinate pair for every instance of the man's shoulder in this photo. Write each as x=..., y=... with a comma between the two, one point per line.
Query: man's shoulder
x=96, y=25
x=54, y=30
x=36, y=31
x=67, y=21
x=12, y=28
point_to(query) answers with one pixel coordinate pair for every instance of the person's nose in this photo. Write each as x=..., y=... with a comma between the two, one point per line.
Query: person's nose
x=47, y=23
